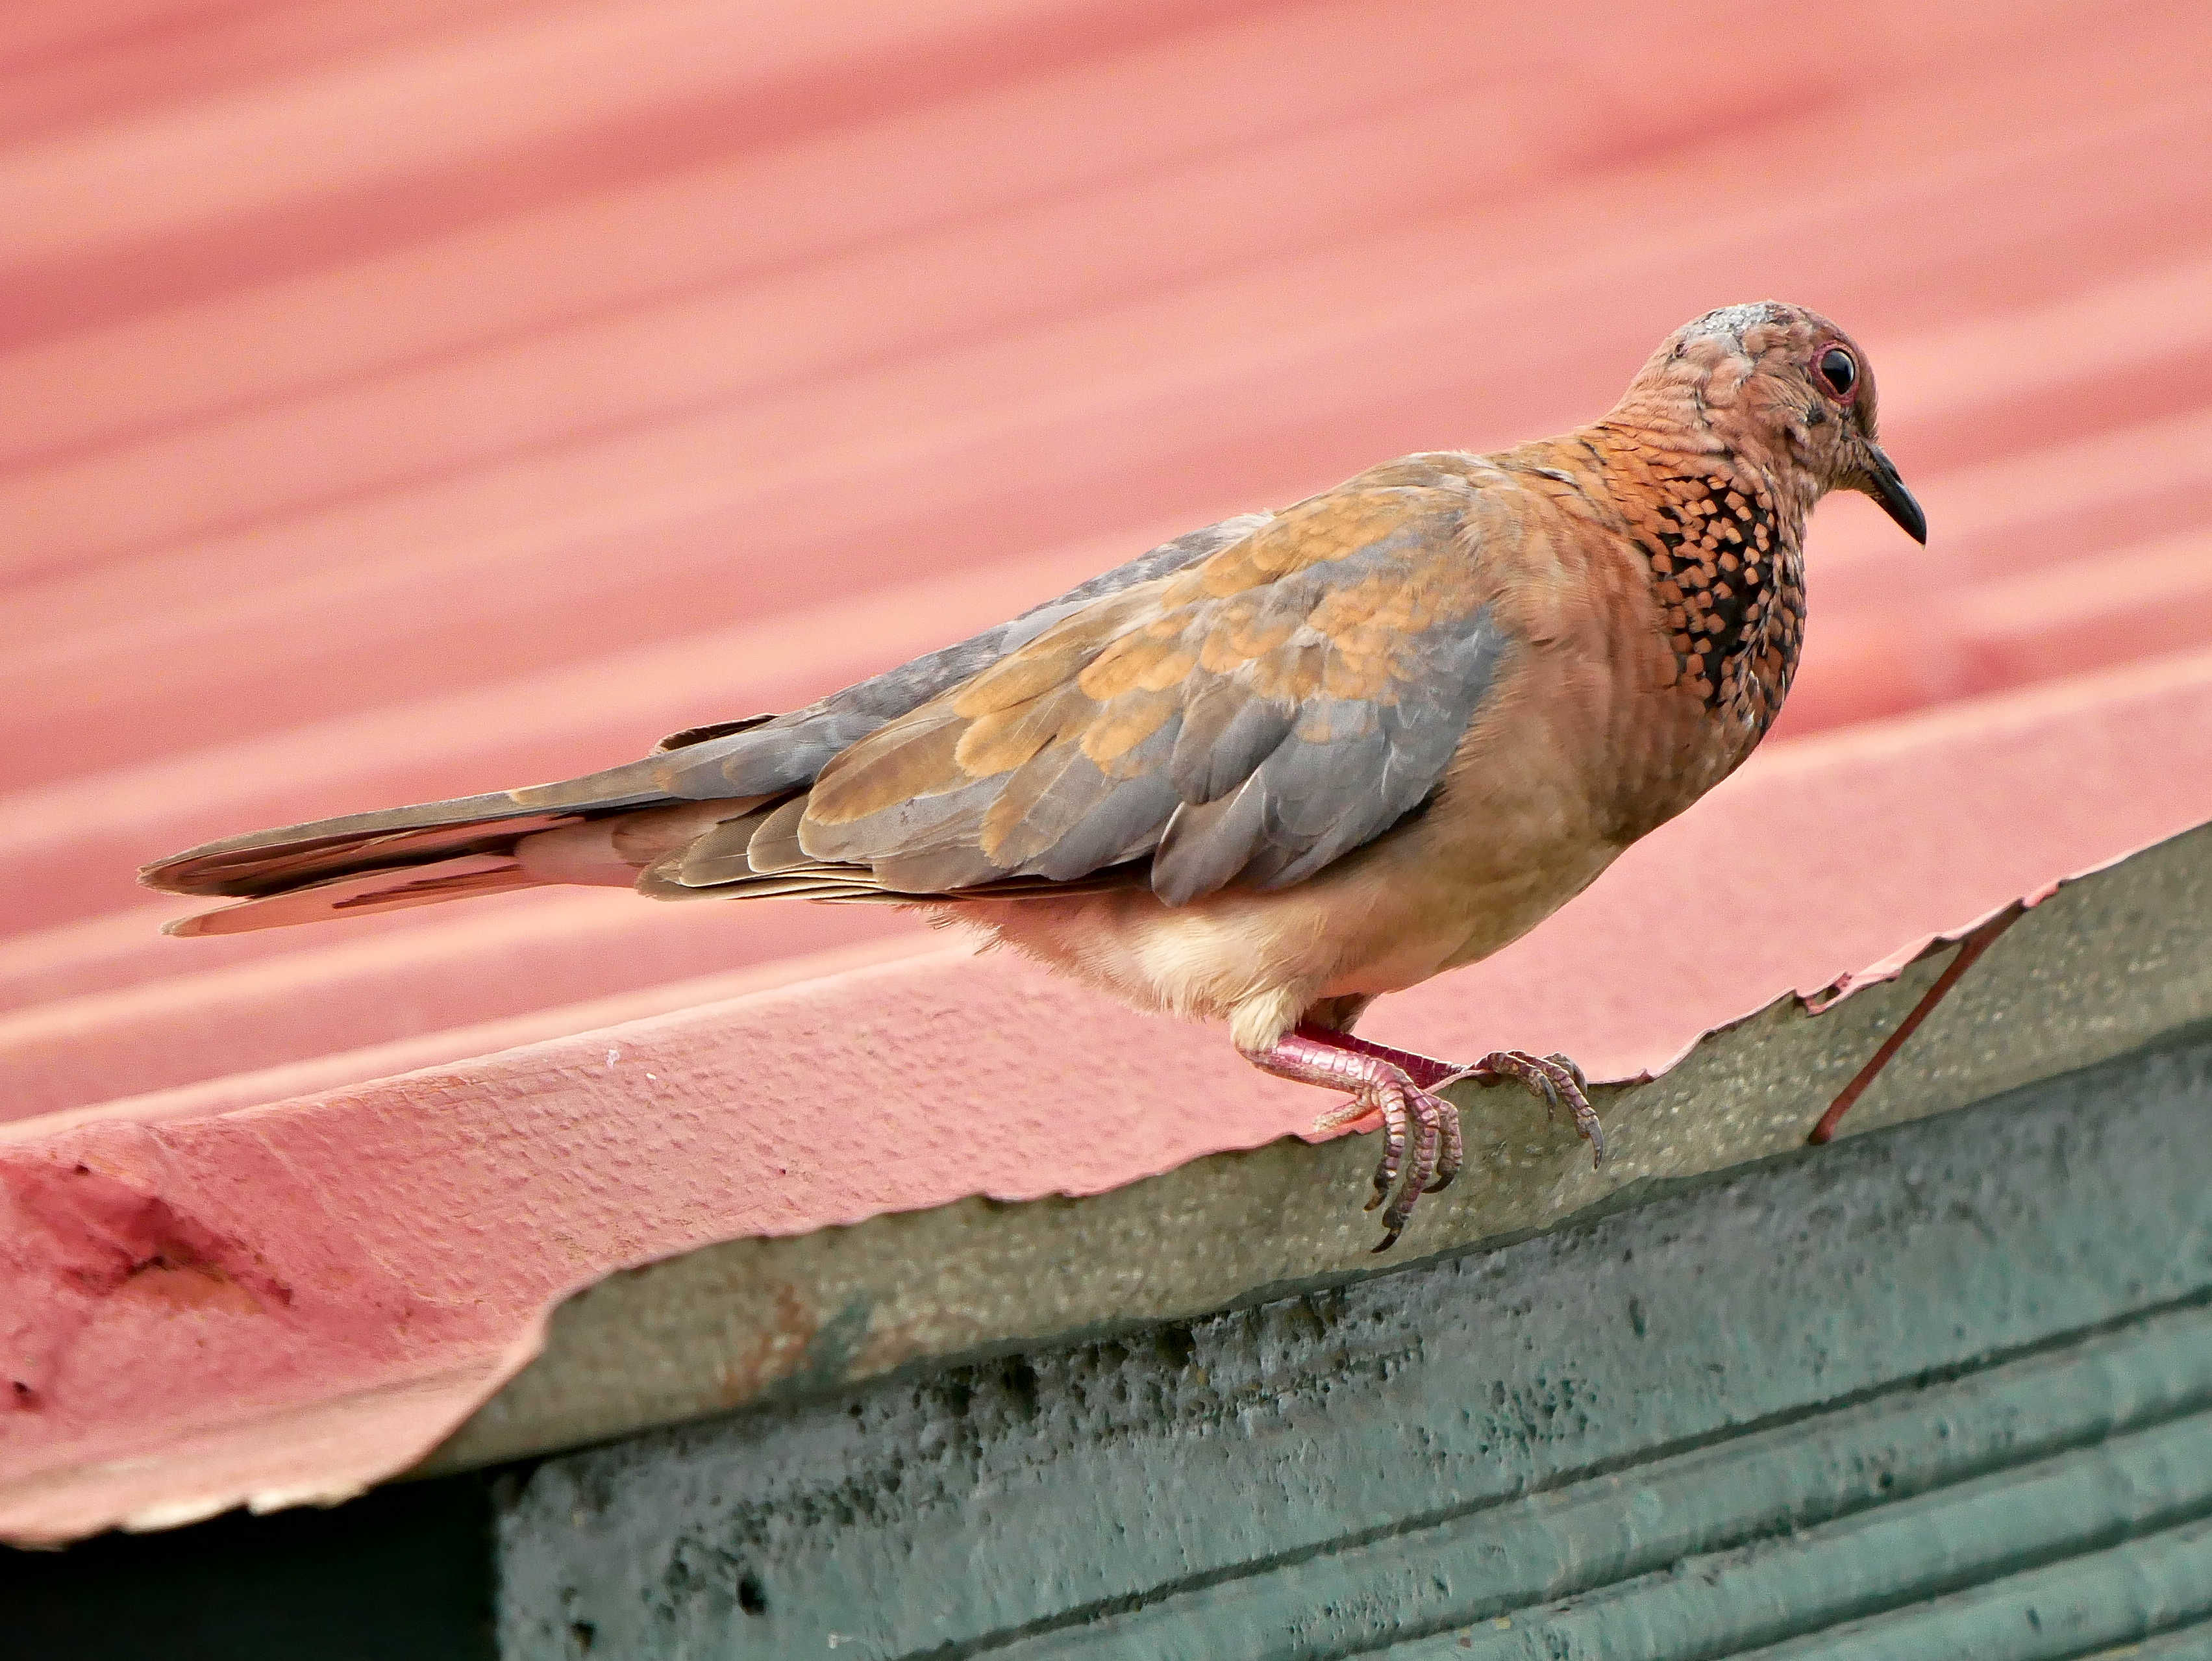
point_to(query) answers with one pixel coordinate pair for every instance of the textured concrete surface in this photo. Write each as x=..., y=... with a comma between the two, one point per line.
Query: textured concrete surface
x=2104, y=965
x=1808, y=1393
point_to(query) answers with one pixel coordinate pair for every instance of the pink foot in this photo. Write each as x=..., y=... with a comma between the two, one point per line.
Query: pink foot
x=1401, y=1088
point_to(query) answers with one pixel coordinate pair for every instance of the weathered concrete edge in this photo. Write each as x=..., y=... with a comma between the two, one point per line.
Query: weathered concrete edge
x=2113, y=962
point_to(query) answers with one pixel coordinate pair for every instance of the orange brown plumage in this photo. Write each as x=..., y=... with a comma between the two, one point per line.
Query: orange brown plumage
x=1268, y=772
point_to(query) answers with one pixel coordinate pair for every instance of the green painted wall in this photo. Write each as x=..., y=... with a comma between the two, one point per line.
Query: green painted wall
x=1945, y=1391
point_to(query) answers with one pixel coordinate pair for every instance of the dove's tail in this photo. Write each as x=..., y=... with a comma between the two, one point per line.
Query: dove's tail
x=417, y=855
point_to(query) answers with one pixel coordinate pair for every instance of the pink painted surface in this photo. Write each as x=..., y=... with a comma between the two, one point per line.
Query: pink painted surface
x=69, y=1052
x=379, y=419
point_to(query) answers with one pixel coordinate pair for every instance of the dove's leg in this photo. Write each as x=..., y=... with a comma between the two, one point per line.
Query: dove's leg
x=1555, y=1081
x=1400, y=1086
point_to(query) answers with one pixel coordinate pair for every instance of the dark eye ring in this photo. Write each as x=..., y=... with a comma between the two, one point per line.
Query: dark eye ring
x=1839, y=371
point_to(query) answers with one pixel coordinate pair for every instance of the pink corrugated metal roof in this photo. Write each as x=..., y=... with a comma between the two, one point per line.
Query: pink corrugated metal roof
x=381, y=417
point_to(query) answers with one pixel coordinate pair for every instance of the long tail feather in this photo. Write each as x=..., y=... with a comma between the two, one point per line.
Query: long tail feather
x=292, y=855
x=364, y=891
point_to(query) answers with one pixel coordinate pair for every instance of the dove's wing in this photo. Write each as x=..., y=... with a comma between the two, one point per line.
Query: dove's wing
x=1252, y=718
x=767, y=756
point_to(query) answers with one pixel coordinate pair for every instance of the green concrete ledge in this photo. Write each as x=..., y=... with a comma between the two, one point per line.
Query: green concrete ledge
x=1944, y=1389
x=2111, y=963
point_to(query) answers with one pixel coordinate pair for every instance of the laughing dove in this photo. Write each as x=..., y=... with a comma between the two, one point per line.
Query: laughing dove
x=1270, y=769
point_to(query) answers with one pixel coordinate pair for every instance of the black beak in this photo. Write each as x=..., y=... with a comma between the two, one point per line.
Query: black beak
x=1886, y=488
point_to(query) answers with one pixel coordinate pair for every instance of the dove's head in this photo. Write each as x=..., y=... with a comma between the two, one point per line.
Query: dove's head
x=1786, y=390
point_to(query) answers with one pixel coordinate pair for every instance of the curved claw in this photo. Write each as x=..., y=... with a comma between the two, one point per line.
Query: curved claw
x=1547, y=1087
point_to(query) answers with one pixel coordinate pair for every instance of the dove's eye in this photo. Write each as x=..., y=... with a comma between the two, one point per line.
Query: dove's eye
x=1839, y=371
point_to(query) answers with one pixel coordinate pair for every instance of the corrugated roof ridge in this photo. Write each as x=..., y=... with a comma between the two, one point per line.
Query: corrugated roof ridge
x=337, y=992
x=316, y=1077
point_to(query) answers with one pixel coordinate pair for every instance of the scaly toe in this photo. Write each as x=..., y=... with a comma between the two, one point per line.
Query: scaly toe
x=1428, y=1144
x=1574, y=1069
x=1435, y=1134
x=1349, y=1111
x=1392, y=1106
x=1575, y=1089
x=1454, y=1150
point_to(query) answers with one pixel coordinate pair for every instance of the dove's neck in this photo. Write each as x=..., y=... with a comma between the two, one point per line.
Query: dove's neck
x=1722, y=538
x=1697, y=414
x=1657, y=476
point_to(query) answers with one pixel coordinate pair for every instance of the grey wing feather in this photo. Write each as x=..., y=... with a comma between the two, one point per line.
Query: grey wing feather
x=1344, y=772
x=760, y=755
x=786, y=753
